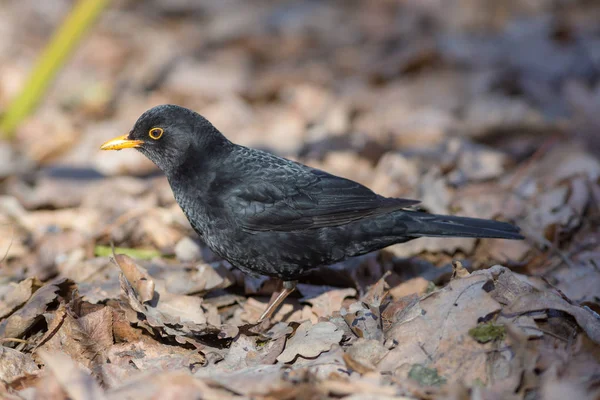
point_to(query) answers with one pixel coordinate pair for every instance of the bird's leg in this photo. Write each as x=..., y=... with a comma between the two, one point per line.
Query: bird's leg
x=288, y=287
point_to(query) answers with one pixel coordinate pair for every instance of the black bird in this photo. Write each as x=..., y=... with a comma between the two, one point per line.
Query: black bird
x=272, y=216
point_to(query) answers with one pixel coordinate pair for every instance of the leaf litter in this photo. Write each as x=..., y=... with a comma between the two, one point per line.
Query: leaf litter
x=488, y=112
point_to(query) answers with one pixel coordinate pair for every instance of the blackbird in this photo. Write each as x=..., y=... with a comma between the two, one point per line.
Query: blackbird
x=272, y=216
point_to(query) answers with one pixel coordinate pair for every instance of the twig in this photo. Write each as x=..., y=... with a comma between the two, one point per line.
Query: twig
x=12, y=339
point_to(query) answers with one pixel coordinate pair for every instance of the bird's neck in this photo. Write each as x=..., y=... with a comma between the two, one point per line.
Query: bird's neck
x=193, y=181
x=189, y=190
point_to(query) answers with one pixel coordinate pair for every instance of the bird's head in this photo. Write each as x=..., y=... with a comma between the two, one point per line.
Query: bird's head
x=168, y=135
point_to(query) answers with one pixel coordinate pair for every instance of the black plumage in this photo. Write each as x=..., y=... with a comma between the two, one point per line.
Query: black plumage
x=272, y=216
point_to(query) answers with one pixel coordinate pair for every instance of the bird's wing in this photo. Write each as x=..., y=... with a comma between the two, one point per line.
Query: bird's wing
x=313, y=199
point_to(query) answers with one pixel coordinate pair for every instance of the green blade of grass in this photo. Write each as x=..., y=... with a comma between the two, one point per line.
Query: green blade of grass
x=142, y=254
x=54, y=56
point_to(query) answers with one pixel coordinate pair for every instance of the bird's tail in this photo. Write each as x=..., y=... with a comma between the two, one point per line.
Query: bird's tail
x=420, y=224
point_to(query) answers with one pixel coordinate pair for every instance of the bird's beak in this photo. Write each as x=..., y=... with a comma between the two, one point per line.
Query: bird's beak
x=121, y=142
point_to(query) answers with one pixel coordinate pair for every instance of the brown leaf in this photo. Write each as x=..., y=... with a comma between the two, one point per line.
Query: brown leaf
x=14, y=364
x=18, y=296
x=73, y=380
x=416, y=285
x=505, y=286
x=438, y=331
x=310, y=341
x=156, y=227
x=126, y=360
x=254, y=308
x=18, y=323
x=458, y=271
x=56, y=246
x=83, y=220
x=364, y=355
x=85, y=339
x=54, y=322
x=279, y=330
x=364, y=322
x=141, y=281
x=579, y=282
x=376, y=293
x=587, y=319
x=98, y=326
x=250, y=382
x=172, y=385
x=246, y=351
x=329, y=302
x=174, y=315
x=200, y=279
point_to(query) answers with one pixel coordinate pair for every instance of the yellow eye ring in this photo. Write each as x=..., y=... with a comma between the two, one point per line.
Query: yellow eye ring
x=155, y=133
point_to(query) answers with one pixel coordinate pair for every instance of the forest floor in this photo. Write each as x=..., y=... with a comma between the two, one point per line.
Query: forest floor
x=478, y=108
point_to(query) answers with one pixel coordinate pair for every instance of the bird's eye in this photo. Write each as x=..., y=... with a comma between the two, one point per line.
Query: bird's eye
x=155, y=133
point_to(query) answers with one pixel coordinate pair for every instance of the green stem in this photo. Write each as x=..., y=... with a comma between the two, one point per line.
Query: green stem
x=142, y=254
x=54, y=56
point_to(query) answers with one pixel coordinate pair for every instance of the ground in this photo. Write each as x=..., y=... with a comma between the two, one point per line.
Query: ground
x=477, y=108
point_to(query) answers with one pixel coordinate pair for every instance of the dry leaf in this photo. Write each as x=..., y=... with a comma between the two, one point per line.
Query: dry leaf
x=137, y=277
x=126, y=360
x=416, y=285
x=73, y=380
x=310, y=341
x=246, y=351
x=14, y=364
x=364, y=355
x=178, y=316
x=587, y=319
x=171, y=385
x=18, y=323
x=252, y=381
x=85, y=339
x=364, y=322
x=439, y=331
x=18, y=296
x=329, y=302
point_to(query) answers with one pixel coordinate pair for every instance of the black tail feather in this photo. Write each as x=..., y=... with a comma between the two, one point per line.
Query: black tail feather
x=423, y=224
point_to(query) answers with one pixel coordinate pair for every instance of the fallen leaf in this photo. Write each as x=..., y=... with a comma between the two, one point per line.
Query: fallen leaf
x=252, y=381
x=458, y=271
x=310, y=341
x=137, y=276
x=187, y=250
x=85, y=339
x=126, y=360
x=438, y=326
x=587, y=319
x=178, y=316
x=171, y=385
x=19, y=322
x=18, y=296
x=416, y=285
x=14, y=364
x=202, y=278
x=363, y=322
x=73, y=380
x=327, y=303
x=248, y=351
x=364, y=355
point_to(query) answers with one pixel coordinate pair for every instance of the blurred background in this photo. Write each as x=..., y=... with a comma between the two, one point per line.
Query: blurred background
x=477, y=107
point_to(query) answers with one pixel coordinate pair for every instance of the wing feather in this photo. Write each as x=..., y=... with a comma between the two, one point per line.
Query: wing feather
x=312, y=200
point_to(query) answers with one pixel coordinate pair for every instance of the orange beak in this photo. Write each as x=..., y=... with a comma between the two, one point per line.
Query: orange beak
x=121, y=142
